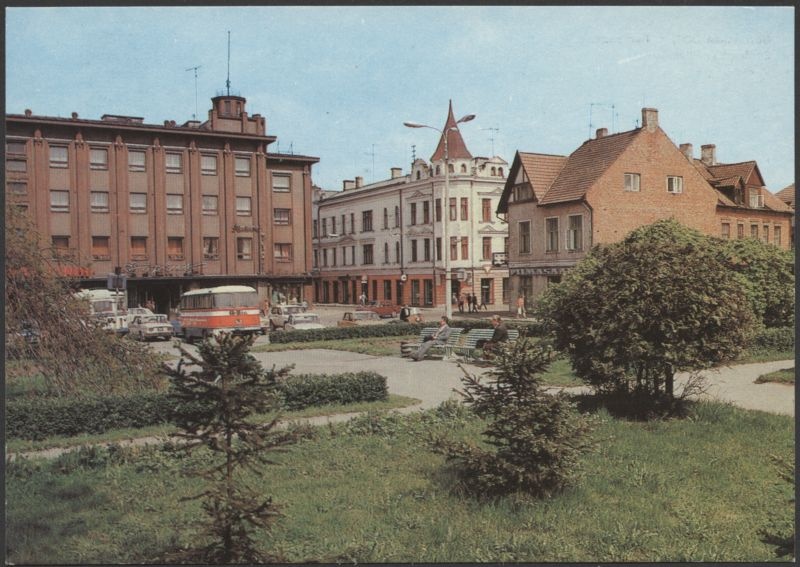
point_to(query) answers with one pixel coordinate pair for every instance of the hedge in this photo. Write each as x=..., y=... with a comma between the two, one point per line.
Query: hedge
x=776, y=338
x=39, y=418
x=391, y=330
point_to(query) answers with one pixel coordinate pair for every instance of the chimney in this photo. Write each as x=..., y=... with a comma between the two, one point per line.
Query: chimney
x=359, y=181
x=650, y=119
x=348, y=184
x=396, y=172
x=601, y=133
x=688, y=151
x=74, y=115
x=708, y=154
x=28, y=112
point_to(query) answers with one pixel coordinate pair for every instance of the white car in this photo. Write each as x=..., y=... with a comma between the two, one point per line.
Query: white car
x=146, y=327
x=134, y=312
x=279, y=315
x=303, y=321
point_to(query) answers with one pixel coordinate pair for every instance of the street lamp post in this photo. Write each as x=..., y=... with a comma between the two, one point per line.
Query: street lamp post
x=448, y=286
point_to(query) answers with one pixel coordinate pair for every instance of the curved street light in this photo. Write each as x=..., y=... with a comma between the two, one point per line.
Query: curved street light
x=448, y=288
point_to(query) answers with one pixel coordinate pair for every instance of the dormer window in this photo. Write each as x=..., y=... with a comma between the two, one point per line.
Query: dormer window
x=756, y=200
x=438, y=170
x=463, y=168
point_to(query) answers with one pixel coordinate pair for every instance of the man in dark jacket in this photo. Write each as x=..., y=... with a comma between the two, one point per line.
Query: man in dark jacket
x=405, y=313
x=500, y=335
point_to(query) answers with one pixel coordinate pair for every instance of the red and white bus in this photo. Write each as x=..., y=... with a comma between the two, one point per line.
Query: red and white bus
x=230, y=308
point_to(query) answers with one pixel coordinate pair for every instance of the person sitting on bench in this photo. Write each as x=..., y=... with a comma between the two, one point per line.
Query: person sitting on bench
x=500, y=335
x=439, y=338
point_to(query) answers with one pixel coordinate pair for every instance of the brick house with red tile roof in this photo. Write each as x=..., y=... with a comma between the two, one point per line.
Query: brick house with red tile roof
x=558, y=207
x=787, y=196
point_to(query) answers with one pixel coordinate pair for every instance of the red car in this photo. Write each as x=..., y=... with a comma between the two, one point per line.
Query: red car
x=382, y=308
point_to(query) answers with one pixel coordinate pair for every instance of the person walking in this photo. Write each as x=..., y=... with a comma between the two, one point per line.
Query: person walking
x=439, y=338
x=483, y=304
x=461, y=303
x=520, y=306
x=474, y=303
x=362, y=300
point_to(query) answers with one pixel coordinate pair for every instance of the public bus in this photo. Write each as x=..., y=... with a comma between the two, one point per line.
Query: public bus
x=230, y=308
x=107, y=306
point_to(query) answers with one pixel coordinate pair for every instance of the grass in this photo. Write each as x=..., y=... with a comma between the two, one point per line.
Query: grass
x=750, y=356
x=376, y=346
x=696, y=489
x=116, y=435
x=785, y=376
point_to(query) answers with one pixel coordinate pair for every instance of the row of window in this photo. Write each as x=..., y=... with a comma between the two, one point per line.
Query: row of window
x=755, y=232
x=574, y=235
x=327, y=292
x=416, y=214
x=632, y=183
x=175, y=248
x=494, y=172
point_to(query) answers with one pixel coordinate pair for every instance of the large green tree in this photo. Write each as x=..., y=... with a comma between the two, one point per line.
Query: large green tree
x=634, y=313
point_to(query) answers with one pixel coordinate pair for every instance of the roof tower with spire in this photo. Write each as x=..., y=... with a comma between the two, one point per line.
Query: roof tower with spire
x=456, y=148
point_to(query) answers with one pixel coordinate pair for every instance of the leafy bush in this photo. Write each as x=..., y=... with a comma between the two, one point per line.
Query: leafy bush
x=537, y=438
x=775, y=339
x=307, y=390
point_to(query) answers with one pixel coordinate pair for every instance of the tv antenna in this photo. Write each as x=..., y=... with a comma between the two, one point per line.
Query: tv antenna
x=195, y=68
x=372, y=153
x=228, y=80
x=614, y=114
x=413, y=153
x=491, y=138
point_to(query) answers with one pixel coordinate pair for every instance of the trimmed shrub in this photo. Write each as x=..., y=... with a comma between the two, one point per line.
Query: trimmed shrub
x=39, y=418
x=776, y=338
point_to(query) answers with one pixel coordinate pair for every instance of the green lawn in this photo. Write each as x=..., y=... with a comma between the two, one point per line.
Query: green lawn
x=785, y=376
x=376, y=346
x=696, y=489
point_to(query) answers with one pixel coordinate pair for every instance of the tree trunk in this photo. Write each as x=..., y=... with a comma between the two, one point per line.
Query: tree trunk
x=669, y=383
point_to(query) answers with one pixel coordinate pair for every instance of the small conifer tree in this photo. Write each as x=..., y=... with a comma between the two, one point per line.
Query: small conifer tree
x=537, y=437
x=214, y=407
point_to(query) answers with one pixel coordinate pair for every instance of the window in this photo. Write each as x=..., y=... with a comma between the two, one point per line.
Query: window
x=756, y=200
x=522, y=193
x=438, y=170
x=174, y=162
x=174, y=204
x=208, y=165
x=136, y=160
x=463, y=168
x=315, y=261
x=333, y=256
x=59, y=201
x=397, y=252
x=465, y=248
x=59, y=156
x=632, y=181
x=324, y=227
x=15, y=147
x=366, y=221
x=438, y=248
x=210, y=204
x=453, y=212
x=385, y=218
x=454, y=248
x=18, y=165
x=353, y=225
x=674, y=184
x=175, y=247
x=726, y=231
x=500, y=172
x=414, y=251
x=438, y=210
x=60, y=246
x=244, y=206
x=486, y=210
x=413, y=214
x=137, y=202
x=138, y=247
x=754, y=230
x=525, y=237
x=486, y=250
x=282, y=216
x=451, y=168
x=551, y=230
x=426, y=212
x=314, y=227
x=494, y=171
x=282, y=251
x=765, y=233
x=325, y=258
x=244, y=248
x=387, y=289
x=776, y=235
x=367, y=250
x=740, y=231
x=464, y=208
x=17, y=187
x=385, y=252
x=344, y=224
x=99, y=201
x=98, y=158
x=281, y=182
x=506, y=289
x=575, y=233
x=426, y=249
x=210, y=248
x=396, y=216
x=100, y=248
x=242, y=167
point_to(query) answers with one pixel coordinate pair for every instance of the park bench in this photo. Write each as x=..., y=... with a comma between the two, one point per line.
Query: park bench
x=443, y=350
x=469, y=347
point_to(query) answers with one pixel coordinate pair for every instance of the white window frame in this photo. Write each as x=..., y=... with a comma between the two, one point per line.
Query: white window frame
x=282, y=252
x=632, y=183
x=244, y=206
x=278, y=215
x=60, y=205
x=174, y=199
x=244, y=248
x=239, y=163
x=548, y=233
x=173, y=162
x=281, y=188
x=756, y=200
x=55, y=160
x=208, y=164
x=207, y=199
x=674, y=184
x=574, y=236
x=137, y=165
x=95, y=159
x=524, y=243
x=210, y=247
x=98, y=201
x=136, y=207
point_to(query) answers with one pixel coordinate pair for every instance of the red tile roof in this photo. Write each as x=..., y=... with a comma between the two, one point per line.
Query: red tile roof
x=773, y=202
x=585, y=166
x=722, y=171
x=456, y=148
x=541, y=170
x=787, y=195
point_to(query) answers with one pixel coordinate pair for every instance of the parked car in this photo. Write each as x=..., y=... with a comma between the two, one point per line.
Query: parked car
x=279, y=315
x=134, y=312
x=382, y=308
x=146, y=327
x=353, y=318
x=303, y=321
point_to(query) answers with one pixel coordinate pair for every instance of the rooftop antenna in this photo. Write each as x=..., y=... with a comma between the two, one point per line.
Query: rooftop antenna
x=194, y=116
x=228, y=80
x=491, y=138
x=413, y=153
x=600, y=104
x=373, y=161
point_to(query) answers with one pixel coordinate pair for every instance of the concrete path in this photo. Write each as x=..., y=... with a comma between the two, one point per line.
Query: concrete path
x=435, y=381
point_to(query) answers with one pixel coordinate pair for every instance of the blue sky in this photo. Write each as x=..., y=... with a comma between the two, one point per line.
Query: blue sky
x=338, y=82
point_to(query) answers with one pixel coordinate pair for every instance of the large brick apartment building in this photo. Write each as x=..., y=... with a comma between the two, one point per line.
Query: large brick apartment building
x=174, y=207
x=384, y=239
x=558, y=207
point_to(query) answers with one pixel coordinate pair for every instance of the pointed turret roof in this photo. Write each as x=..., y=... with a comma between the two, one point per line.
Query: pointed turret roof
x=456, y=148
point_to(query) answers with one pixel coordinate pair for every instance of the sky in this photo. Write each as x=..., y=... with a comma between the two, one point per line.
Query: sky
x=338, y=82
